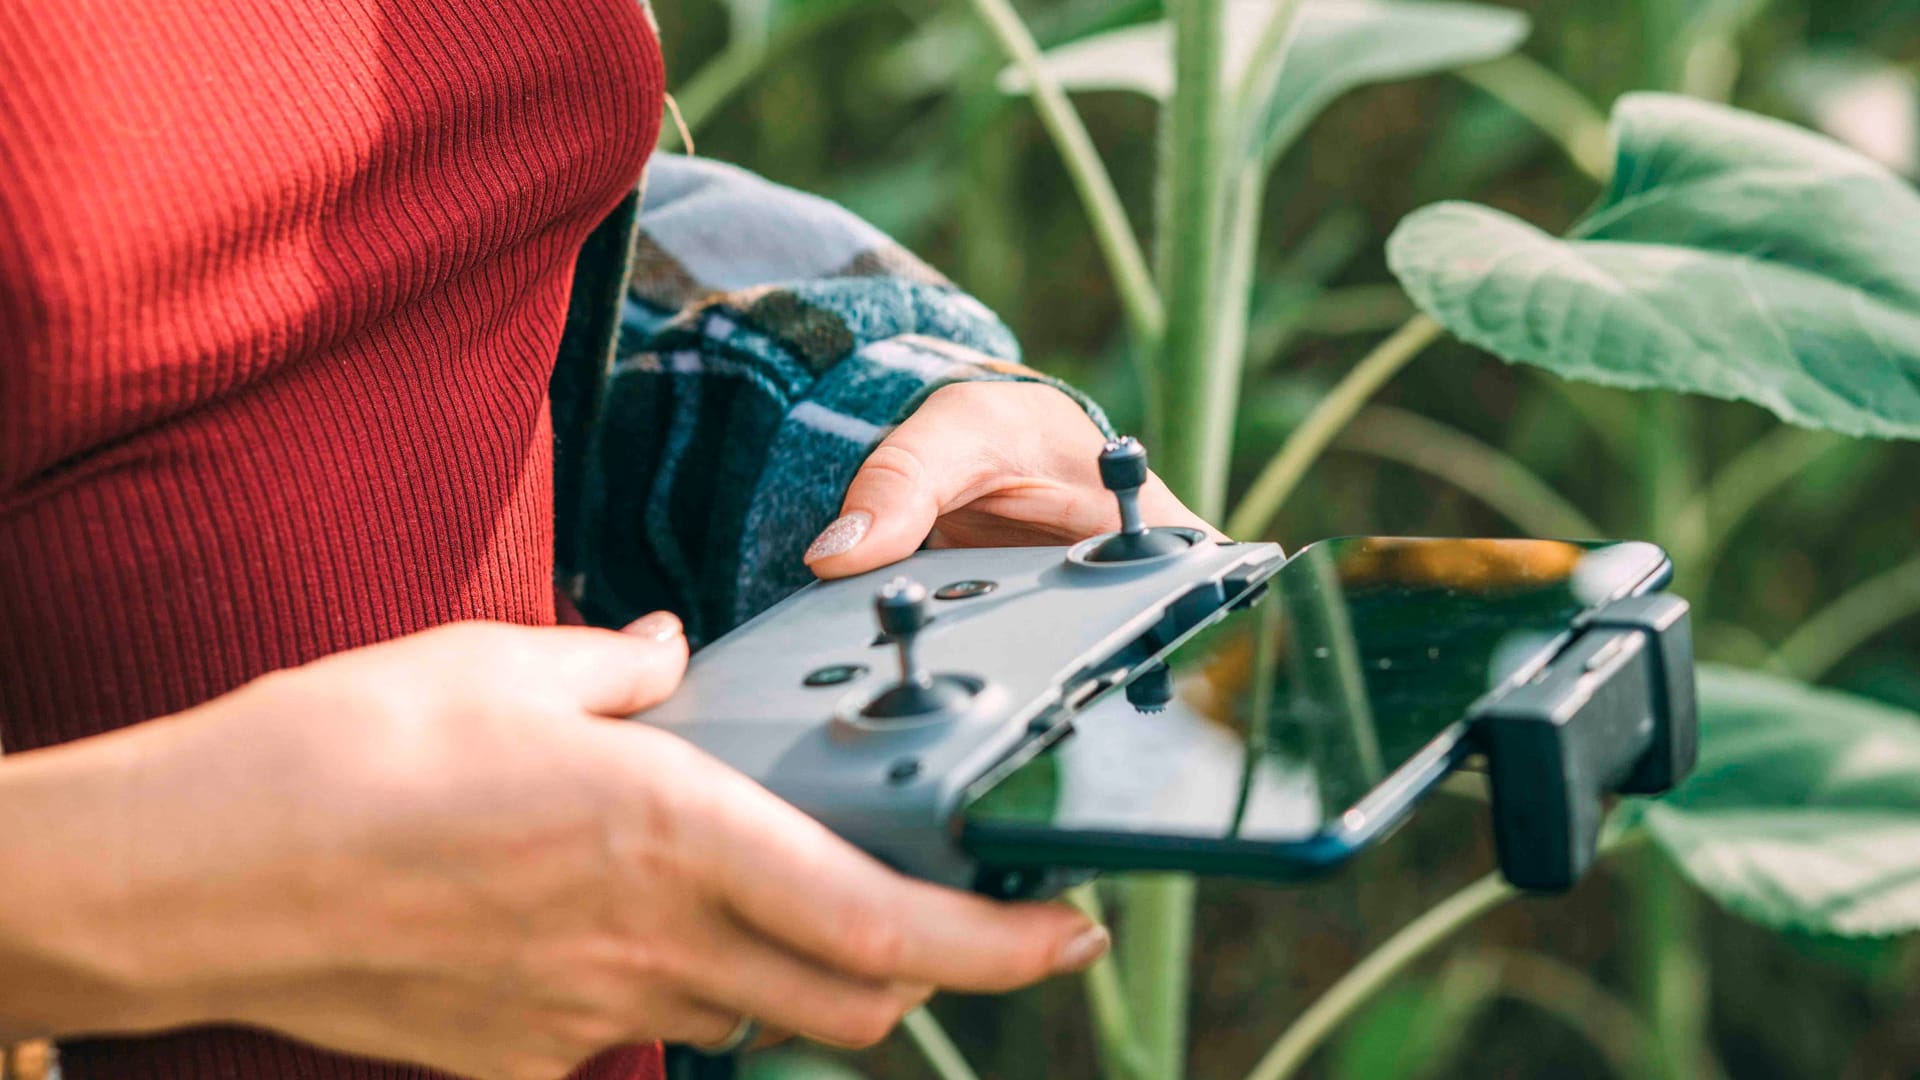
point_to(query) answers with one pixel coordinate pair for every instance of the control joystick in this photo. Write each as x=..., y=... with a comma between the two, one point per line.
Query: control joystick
x=1123, y=471
x=902, y=609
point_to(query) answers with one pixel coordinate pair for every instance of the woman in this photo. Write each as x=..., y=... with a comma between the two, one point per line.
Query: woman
x=301, y=778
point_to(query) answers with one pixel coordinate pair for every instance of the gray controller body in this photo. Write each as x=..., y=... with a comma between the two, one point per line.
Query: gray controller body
x=1054, y=630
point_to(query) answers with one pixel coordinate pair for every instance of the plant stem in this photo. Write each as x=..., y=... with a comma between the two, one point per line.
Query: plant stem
x=1666, y=468
x=1240, y=248
x=1607, y=412
x=1155, y=949
x=1263, y=501
x=942, y=1056
x=1859, y=613
x=1470, y=465
x=1197, y=381
x=1121, y=1056
x=1550, y=103
x=1258, y=81
x=1768, y=464
x=1145, y=313
x=1197, y=384
x=1582, y=1004
x=1412, y=942
x=1671, y=971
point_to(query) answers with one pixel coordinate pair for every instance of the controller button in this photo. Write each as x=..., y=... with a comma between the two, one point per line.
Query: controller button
x=834, y=674
x=964, y=590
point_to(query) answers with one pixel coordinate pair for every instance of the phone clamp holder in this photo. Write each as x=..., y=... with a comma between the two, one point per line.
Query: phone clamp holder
x=1614, y=712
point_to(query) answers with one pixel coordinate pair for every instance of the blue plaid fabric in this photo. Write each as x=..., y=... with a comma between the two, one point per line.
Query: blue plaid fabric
x=768, y=340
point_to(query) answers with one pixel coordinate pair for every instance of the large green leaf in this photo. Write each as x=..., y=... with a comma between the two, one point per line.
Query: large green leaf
x=1732, y=255
x=1804, y=811
x=1337, y=45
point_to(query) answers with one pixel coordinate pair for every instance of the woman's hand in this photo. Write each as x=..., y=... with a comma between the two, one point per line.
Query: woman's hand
x=442, y=850
x=983, y=464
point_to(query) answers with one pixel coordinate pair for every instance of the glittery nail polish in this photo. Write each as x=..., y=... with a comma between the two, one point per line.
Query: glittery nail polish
x=660, y=626
x=840, y=537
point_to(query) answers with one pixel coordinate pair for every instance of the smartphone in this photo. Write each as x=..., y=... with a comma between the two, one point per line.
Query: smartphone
x=1303, y=723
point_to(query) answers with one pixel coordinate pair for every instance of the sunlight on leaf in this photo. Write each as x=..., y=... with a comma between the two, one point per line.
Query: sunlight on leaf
x=1734, y=256
x=1804, y=812
x=1338, y=45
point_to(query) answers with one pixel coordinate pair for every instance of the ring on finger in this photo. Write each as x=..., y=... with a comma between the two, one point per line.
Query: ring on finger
x=742, y=1034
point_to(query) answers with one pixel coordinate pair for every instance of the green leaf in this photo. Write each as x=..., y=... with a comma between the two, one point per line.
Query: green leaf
x=1338, y=45
x=1804, y=811
x=1733, y=256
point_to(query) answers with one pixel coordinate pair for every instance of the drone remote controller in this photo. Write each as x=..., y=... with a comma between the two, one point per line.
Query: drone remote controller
x=875, y=703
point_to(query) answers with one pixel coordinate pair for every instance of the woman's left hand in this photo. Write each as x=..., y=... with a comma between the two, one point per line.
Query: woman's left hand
x=983, y=464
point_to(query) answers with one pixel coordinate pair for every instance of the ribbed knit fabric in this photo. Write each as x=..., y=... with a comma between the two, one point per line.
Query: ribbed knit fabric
x=281, y=283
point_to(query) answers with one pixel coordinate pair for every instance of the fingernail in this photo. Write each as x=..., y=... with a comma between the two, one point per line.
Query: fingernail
x=1080, y=953
x=839, y=537
x=661, y=626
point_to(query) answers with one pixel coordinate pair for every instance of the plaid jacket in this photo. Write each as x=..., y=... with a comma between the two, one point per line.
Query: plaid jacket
x=733, y=351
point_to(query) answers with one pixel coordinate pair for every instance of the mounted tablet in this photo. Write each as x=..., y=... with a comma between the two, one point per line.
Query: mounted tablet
x=1297, y=729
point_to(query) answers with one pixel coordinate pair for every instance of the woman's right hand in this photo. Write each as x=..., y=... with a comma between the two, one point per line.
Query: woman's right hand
x=440, y=850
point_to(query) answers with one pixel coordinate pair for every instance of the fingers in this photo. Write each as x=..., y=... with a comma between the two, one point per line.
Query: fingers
x=893, y=502
x=988, y=463
x=792, y=880
x=962, y=442
x=746, y=975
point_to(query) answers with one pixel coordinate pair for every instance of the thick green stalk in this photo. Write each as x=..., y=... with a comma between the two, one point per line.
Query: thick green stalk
x=1127, y=263
x=1472, y=466
x=1372, y=974
x=1670, y=970
x=1193, y=439
x=1861, y=612
x=1114, y=1034
x=942, y=1056
x=1155, y=950
x=1262, y=503
x=1240, y=247
x=1196, y=437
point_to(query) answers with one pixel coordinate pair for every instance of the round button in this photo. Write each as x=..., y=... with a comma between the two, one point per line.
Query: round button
x=834, y=674
x=961, y=590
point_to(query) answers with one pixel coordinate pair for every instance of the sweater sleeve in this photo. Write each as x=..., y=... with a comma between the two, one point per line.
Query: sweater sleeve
x=769, y=340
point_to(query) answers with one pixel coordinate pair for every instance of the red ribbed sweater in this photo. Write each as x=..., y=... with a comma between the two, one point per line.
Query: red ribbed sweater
x=281, y=283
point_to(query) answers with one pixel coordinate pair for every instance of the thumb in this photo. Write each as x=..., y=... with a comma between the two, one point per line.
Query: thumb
x=890, y=508
x=613, y=674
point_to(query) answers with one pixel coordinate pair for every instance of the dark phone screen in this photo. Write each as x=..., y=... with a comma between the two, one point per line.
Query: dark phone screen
x=1281, y=717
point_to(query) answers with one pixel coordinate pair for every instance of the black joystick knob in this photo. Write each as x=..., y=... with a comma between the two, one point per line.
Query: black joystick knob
x=1151, y=690
x=1123, y=471
x=902, y=609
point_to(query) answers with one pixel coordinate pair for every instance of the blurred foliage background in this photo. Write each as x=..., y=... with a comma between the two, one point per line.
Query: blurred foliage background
x=890, y=107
